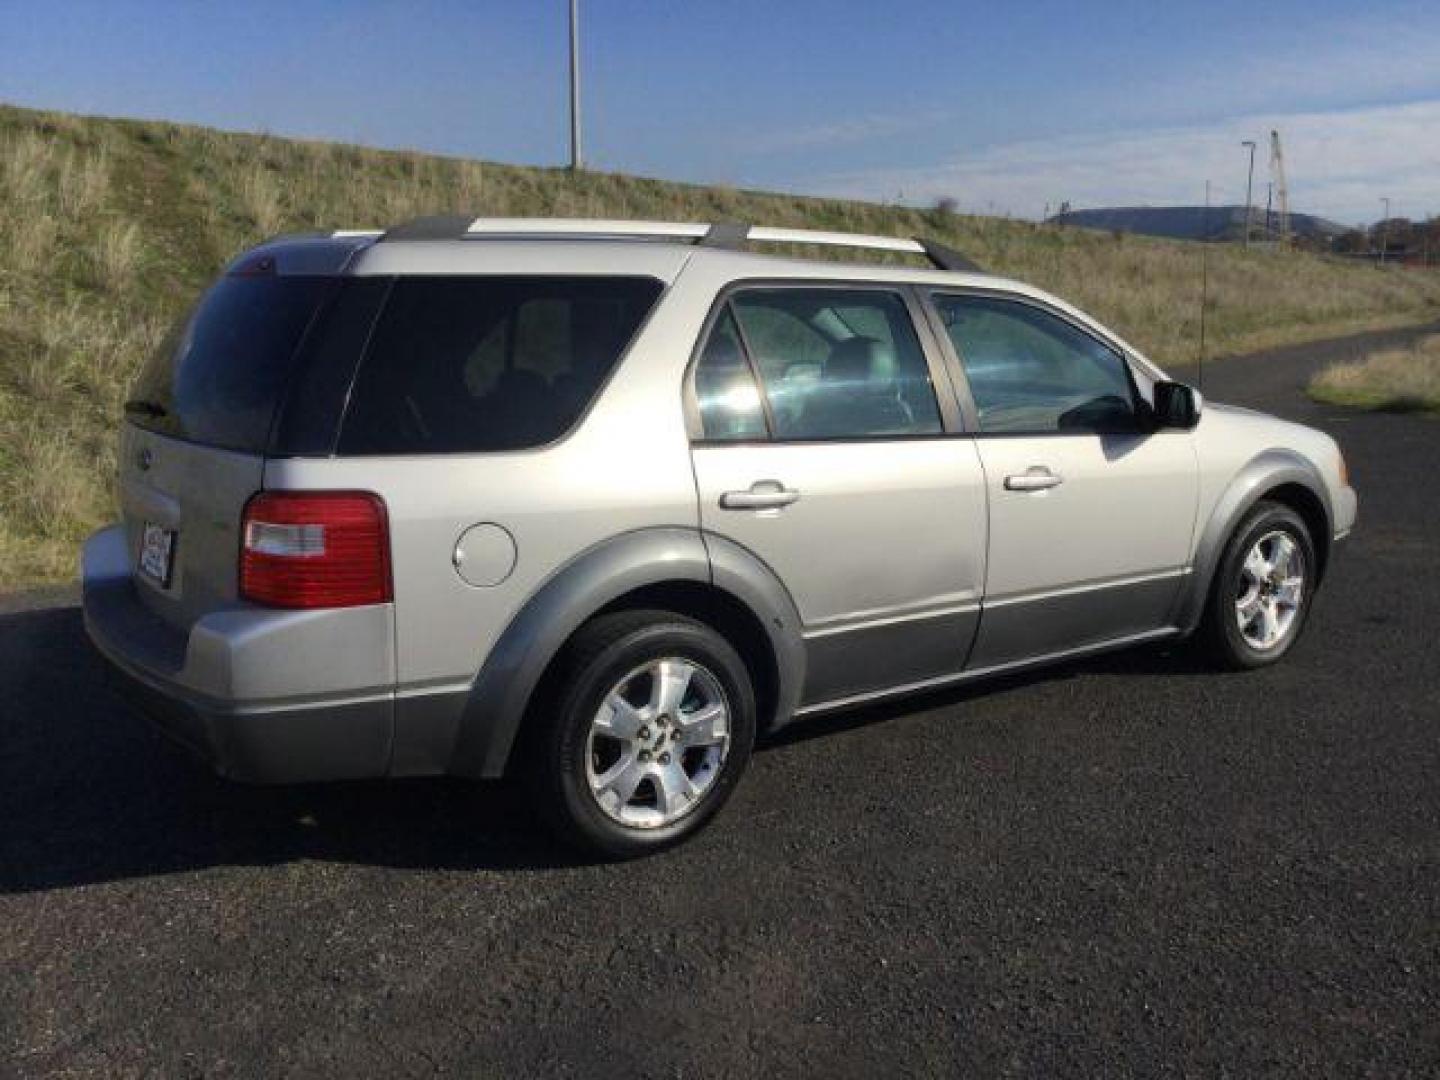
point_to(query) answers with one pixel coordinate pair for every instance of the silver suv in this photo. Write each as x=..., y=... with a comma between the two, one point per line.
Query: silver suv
x=604, y=500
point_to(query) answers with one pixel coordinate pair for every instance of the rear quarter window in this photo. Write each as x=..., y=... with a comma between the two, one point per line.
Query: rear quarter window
x=474, y=364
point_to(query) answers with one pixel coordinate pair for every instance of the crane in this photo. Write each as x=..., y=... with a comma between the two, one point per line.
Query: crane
x=1282, y=194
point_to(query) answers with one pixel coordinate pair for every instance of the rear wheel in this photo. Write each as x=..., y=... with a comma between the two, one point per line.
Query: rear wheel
x=644, y=732
x=1263, y=587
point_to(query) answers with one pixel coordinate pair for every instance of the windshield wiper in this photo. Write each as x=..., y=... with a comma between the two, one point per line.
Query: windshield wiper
x=145, y=408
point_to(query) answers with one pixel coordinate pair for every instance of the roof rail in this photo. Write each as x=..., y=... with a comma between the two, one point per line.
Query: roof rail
x=722, y=234
x=947, y=258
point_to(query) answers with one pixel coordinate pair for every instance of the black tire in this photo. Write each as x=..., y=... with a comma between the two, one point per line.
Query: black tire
x=599, y=656
x=1221, y=631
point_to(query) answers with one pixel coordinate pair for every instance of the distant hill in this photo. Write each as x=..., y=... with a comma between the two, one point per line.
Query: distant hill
x=1191, y=222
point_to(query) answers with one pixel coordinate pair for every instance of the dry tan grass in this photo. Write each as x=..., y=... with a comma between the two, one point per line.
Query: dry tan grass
x=260, y=195
x=1399, y=380
x=28, y=242
x=109, y=228
x=27, y=223
x=83, y=182
x=116, y=254
x=26, y=158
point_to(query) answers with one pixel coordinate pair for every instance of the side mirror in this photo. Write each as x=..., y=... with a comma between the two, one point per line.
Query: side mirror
x=1176, y=406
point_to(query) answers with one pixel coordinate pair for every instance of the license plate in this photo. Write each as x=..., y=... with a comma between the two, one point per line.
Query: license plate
x=157, y=553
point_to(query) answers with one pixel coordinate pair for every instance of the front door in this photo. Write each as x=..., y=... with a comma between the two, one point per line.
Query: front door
x=1091, y=511
x=824, y=450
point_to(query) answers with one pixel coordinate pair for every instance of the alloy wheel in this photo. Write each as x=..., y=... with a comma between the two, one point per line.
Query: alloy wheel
x=657, y=743
x=1270, y=590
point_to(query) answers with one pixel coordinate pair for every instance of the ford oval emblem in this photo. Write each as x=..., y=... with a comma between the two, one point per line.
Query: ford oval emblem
x=144, y=459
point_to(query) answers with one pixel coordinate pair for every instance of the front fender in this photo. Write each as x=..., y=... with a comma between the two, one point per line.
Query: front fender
x=1261, y=474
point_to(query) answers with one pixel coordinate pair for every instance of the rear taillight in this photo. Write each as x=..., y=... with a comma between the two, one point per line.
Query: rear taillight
x=315, y=549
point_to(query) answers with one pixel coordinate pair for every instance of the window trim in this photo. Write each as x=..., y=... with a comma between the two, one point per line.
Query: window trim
x=290, y=416
x=954, y=359
x=767, y=408
x=947, y=401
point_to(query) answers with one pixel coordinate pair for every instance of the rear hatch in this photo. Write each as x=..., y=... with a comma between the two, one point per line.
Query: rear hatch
x=198, y=426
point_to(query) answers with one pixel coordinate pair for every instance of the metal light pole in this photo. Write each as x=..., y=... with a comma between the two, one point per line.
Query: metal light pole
x=1384, y=229
x=576, y=158
x=1249, y=182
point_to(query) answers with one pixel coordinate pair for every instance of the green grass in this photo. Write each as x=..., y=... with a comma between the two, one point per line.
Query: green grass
x=1390, y=380
x=109, y=228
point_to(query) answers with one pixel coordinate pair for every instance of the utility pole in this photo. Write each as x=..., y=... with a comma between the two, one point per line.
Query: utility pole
x=1282, y=193
x=576, y=158
x=1249, y=181
x=1384, y=229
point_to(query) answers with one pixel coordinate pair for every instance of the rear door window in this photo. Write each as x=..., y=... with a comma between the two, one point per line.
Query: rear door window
x=838, y=363
x=472, y=364
x=221, y=373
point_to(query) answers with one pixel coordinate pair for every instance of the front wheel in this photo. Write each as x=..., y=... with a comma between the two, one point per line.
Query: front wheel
x=643, y=733
x=1263, y=588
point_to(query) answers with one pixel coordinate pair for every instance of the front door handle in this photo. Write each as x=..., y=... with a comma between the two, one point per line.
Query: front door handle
x=1035, y=478
x=763, y=495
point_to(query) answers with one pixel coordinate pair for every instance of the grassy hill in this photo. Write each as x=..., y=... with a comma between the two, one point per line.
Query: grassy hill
x=108, y=228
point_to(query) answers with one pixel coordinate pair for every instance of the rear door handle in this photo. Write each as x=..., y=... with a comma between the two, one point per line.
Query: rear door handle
x=1035, y=478
x=763, y=495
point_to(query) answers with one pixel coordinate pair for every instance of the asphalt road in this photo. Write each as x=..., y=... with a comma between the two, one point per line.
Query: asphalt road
x=1130, y=865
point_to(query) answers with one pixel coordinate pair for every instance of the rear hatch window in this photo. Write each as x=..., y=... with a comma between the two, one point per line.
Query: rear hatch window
x=470, y=364
x=219, y=377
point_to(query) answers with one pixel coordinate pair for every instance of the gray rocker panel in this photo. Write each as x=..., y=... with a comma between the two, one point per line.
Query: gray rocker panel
x=890, y=653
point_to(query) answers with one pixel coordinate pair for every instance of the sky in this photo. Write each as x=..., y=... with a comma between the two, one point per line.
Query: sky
x=1007, y=108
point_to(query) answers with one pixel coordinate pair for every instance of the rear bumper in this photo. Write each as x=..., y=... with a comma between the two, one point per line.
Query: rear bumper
x=262, y=696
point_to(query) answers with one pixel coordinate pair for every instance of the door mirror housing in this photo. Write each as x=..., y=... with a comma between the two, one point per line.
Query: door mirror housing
x=1177, y=406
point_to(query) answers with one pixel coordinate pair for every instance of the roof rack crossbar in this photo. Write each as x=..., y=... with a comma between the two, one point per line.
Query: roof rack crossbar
x=721, y=234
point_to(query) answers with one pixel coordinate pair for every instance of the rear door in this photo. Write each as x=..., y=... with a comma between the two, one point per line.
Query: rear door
x=821, y=445
x=1091, y=510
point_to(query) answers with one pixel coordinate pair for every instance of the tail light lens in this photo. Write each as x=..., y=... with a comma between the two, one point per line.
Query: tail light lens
x=315, y=549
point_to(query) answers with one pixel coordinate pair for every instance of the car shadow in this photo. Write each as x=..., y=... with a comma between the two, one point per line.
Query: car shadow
x=90, y=792
x=1173, y=658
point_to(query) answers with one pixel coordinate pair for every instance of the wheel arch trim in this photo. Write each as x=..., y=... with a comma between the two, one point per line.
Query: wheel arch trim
x=1261, y=475
x=495, y=706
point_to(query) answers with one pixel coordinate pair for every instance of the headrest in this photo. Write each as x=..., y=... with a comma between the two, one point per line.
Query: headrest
x=860, y=359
